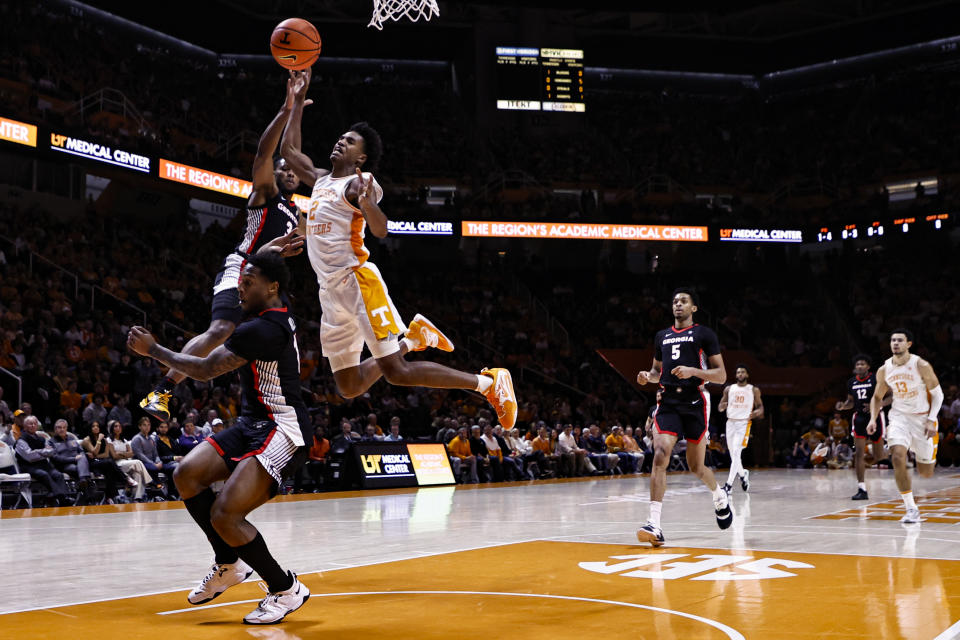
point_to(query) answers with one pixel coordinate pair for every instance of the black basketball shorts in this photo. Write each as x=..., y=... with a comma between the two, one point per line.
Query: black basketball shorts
x=275, y=451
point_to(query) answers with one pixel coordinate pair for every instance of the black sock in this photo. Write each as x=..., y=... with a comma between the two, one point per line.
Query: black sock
x=166, y=385
x=256, y=554
x=199, y=507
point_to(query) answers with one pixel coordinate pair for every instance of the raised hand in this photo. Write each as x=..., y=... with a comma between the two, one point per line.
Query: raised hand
x=366, y=192
x=297, y=85
x=140, y=341
x=288, y=245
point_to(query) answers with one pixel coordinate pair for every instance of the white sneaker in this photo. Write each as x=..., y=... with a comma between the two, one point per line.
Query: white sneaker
x=913, y=516
x=275, y=607
x=721, y=507
x=220, y=578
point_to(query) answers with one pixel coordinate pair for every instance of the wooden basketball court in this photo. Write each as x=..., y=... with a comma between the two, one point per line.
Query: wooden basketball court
x=548, y=560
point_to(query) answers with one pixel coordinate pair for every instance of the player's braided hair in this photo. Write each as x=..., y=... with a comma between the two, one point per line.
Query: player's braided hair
x=372, y=144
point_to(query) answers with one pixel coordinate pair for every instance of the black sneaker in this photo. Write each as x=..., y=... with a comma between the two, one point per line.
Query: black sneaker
x=724, y=514
x=860, y=495
x=650, y=533
x=745, y=480
x=727, y=488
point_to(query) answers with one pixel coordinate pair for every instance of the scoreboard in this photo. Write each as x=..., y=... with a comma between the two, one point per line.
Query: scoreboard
x=532, y=79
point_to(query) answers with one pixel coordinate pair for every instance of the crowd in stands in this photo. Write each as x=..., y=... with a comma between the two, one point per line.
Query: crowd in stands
x=81, y=387
x=841, y=137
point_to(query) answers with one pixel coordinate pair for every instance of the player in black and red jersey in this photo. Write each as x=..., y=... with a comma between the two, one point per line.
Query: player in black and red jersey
x=266, y=445
x=686, y=356
x=859, y=391
x=271, y=214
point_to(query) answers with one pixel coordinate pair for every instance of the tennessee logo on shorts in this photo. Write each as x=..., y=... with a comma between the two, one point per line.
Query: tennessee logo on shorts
x=379, y=310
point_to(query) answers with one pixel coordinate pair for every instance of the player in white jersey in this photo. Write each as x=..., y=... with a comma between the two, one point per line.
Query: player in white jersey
x=743, y=404
x=357, y=308
x=912, y=422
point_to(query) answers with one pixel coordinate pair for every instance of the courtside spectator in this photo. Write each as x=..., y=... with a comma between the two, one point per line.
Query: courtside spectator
x=394, y=435
x=145, y=450
x=189, y=438
x=461, y=453
x=100, y=461
x=69, y=458
x=573, y=459
x=120, y=413
x=95, y=411
x=207, y=429
x=615, y=444
x=35, y=453
x=631, y=446
x=316, y=460
x=122, y=452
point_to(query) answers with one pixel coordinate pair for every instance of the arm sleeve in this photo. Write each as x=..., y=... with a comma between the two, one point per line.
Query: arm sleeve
x=257, y=339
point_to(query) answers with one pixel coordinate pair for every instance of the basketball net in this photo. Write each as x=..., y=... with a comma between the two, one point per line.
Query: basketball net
x=384, y=10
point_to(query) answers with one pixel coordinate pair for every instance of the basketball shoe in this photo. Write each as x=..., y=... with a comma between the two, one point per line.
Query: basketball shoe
x=721, y=506
x=275, y=606
x=650, y=533
x=502, y=397
x=425, y=334
x=156, y=404
x=220, y=578
x=912, y=516
x=745, y=481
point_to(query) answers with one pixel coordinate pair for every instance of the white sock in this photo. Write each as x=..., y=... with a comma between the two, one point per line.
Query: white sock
x=736, y=467
x=410, y=344
x=862, y=486
x=655, y=509
x=719, y=493
x=484, y=383
x=908, y=500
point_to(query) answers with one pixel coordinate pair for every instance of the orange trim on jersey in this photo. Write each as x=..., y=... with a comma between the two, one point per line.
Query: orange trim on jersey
x=746, y=436
x=343, y=197
x=356, y=239
x=375, y=301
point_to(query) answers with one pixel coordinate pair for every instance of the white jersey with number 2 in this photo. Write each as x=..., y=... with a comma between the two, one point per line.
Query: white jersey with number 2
x=335, y=227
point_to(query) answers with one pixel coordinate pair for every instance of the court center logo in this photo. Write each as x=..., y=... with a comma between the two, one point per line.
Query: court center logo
x=704, y=567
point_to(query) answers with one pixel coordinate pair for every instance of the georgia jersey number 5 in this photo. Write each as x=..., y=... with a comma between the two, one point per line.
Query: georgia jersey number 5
x=675, y=352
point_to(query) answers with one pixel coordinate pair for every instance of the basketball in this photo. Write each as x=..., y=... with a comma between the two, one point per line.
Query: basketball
x=295, y=44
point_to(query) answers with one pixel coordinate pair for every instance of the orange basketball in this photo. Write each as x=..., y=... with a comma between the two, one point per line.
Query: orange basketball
x=295, y=44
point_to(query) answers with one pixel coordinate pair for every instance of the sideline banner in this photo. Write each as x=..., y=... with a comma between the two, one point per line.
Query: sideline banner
x=667, y=233
x=397, y=464
x=203, y=179
x=18, y=132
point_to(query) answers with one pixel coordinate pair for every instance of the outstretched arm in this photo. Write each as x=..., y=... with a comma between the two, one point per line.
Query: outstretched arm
x=264, y=179
x=290, y=144
x=220, y=361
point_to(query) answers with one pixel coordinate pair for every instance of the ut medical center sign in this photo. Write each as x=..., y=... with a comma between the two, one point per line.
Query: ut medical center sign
x=398, y=464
